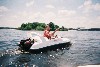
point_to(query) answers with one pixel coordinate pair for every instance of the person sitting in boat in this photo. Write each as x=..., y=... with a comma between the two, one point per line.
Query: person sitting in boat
x=47, y=32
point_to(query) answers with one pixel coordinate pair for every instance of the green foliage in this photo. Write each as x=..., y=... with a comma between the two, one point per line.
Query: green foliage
x=23, y=26
x=40, y=26
x=35, y=24
x=52, y=26
x=28, y=27
x=56, y=26
x=63, y=29
x=32, y=26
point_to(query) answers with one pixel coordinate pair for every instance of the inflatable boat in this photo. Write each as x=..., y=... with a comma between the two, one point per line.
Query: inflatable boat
x=38, y=43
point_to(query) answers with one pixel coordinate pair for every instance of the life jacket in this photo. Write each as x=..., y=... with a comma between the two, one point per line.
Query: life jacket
x=47, y=34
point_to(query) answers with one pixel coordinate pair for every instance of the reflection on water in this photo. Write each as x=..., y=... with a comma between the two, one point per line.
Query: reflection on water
x=85, y=50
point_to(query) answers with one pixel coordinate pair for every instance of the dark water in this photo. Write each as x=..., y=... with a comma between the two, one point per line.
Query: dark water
x=85, y=50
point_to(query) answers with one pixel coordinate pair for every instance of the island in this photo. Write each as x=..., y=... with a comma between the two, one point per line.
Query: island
x=40, y=26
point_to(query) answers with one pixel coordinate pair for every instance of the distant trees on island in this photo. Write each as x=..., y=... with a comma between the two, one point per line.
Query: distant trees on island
x=40, y=26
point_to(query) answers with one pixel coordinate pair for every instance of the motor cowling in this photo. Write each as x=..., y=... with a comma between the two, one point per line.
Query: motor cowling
x=25, y=44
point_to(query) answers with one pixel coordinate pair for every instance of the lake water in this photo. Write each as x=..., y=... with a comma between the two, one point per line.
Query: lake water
x=85, y=49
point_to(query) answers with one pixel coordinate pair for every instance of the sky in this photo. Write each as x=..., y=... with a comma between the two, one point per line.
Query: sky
x=68, y=13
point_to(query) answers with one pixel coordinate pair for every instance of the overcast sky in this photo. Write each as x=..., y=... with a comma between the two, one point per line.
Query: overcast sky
x=68, y=13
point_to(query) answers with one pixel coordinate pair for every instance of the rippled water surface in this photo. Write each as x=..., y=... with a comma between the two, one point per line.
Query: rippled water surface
x=85, y=49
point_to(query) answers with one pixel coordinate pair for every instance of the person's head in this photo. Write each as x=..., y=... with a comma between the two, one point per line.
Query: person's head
x=48, y=27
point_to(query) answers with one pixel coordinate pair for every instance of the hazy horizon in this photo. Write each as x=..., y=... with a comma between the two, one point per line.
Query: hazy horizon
x=68, y=13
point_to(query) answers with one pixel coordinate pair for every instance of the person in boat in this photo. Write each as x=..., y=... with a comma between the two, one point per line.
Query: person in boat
x=47, y=32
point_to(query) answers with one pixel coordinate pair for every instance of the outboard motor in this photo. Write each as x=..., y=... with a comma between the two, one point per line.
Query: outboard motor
x=26, y=44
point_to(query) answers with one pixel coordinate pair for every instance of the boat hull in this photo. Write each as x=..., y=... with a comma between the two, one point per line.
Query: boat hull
x=50, y=48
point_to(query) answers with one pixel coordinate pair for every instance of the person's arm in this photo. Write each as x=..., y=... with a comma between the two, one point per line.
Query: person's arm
x=55, y=31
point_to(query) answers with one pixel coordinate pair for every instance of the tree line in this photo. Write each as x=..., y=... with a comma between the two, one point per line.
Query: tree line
x=40, y=26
